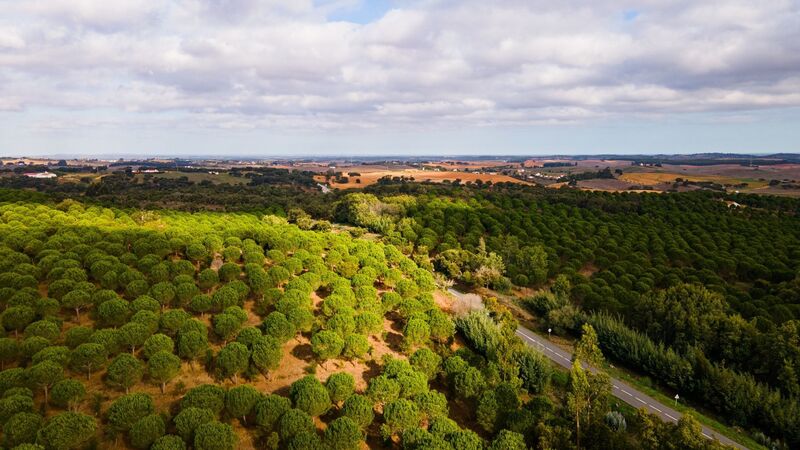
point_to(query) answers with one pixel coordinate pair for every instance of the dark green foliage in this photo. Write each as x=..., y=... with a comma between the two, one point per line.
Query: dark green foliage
x=162, y=367
x=294, y=422
x=426, y=361
x=124, y=372
x=20, y=429
x=342, y=434
x=240, y=401
x=232, y=360
x=189, y=419
x=168, y=442
x=13, y=404
x=401, y=415
x=207, y=396
x=87, y=358
x=157, y=343
x=67, y=431
x=310, y=396
x=269, y=409
x=215, y=436
x=129, y=409
x=67, y=394
x=146, y=430
x=360, y=409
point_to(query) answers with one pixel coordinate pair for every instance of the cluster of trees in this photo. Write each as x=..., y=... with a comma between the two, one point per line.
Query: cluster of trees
x=685, y=366
x=91, y=293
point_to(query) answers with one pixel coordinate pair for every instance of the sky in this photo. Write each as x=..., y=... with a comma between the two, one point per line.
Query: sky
x=398, y=77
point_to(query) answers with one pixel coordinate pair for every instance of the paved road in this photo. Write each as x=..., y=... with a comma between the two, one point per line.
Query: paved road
x=619, y=389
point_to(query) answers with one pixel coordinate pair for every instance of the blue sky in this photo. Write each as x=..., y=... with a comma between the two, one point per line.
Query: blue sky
x=433, y=77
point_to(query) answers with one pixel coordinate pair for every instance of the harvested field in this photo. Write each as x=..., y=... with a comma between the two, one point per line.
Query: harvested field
x=368, y=178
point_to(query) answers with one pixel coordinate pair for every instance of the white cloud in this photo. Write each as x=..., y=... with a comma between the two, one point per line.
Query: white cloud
x=273, y=64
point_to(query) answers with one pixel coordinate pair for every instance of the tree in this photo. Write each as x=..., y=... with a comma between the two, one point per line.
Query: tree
x=508, y=440
x=66, y=431
x=215, y=436
x=43, y=328
x=383, y=389
x=146, y=430
x=44, y=375
x=327, y=344
x=232, y=360
x=586, y=396
x=192, y=346
x=76, y=300
x=157, y=343
x=16, y=318
x=240, y=400
x=340, y=386
x=9, y=350
x=432, y=404
x=441, y=326
x=163, y=292
x=469, y=383
x=133, y=335
x=168, y=442
x=359, y=408
x=269, y=409
x=310, y=396
x=416, y=332
x=207, y=396
x=113, y=313
x=426, y=361
x=226, y=326
x=294, y=422
x=162, y=367
x=87, y=358
x=124, y=372
x=278, y=326
x=187, y=421
x=267, y=354
x=13, y=403
x=343, y=434
x=21, y=429
x=207, y=279
x=200, y=304
x=356, y=346
x=68, y=394
x=400, y=415
x=128, y=409
x=588, y=348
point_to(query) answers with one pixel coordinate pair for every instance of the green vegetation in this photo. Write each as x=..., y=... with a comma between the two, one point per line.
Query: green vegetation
x=107, y=289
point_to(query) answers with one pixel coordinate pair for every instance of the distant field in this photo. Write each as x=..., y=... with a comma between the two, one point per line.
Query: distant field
x=368, y=178
x=654, y=178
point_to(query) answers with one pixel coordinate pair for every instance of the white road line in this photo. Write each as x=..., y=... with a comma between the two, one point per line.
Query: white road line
x=626, y=392
x=656, y=409
x=670, y=417
x=707, y=436
x=637, y=398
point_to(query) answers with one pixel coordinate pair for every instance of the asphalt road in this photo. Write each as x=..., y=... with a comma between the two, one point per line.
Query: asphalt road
x=619, y=389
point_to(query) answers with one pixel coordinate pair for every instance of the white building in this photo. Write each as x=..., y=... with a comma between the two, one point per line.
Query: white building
x=40, y=175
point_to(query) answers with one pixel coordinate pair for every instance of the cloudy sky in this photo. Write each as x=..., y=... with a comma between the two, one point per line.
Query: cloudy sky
x=356, y=77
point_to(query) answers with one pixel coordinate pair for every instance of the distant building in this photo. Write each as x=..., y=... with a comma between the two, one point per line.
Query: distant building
x=40, y=175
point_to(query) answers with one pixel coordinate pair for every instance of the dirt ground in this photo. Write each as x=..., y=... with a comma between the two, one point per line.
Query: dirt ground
x=419, y=175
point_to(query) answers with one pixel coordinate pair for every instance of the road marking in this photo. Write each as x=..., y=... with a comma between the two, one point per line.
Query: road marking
x=637, y=398
x=707, y=436
x=667, y=414
x=623, y=390
x=656, y=409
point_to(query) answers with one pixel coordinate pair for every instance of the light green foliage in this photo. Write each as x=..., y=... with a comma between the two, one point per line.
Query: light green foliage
x=232, y=360
x=340, y=386
x=400, y=415
x=356, y=346
x=327, y=344
x=426, y=361
x=294, y=422
x=360, y=409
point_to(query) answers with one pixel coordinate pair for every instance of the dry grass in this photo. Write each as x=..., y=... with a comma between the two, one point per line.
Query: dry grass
x=368, y=178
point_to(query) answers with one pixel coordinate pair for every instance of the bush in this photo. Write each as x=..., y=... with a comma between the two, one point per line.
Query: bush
x=146, y=430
